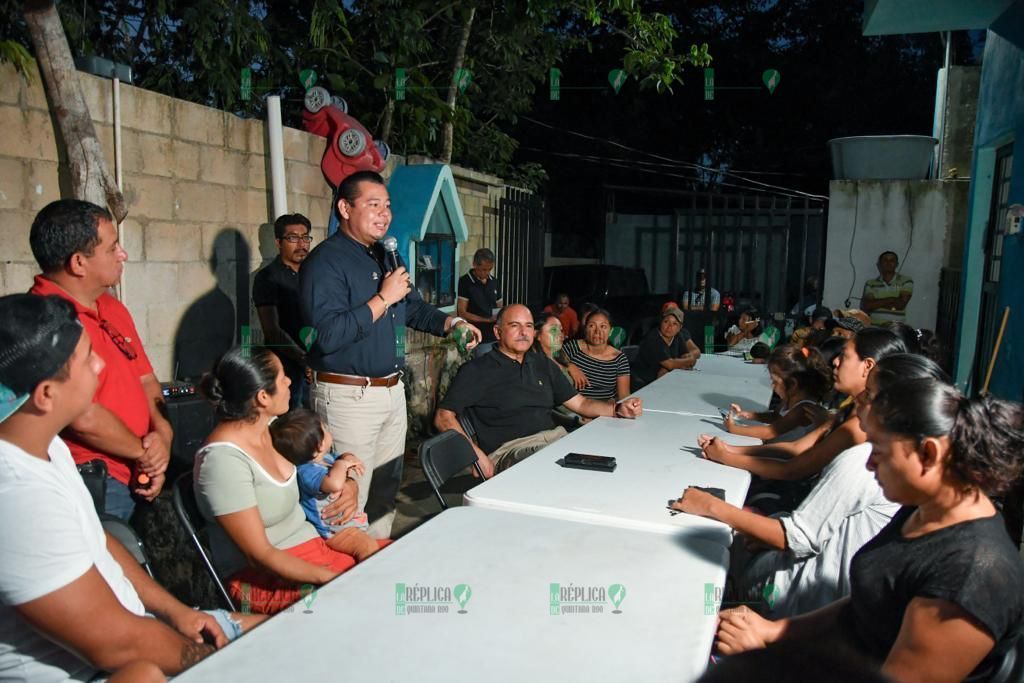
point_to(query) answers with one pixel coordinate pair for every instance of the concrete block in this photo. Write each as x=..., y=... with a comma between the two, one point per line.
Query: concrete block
x=305, y=178
x=184, y=160
x=133, y=238
x=225, y=246
x=10, y=84
x=245, y=135
x=257, y=171
x=18, y=276
x=319, y=212
x=152, y=283
x=247, y=207
x=138, y=152
x=99, y=98
x=173, y=242
x=27, y=134
x=16, y=226
x=317, y=147
x=195, y=279
x=12, y=183
x=295, y=144
x=201, y=202
x=155, y=153
x=218, y=165
x=146, y=110
x=198, y=123
x=149, y=197
x=34, y=96
x=43, y=185
x=105, y=134
x=162, y=322
x=161, y=357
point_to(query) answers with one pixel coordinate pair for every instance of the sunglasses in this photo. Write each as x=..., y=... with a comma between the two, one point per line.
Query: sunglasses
x=122, y=342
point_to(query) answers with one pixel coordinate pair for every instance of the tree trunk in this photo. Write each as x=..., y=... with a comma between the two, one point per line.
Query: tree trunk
x=453, y=88
x=90, y=178
x=389, y=116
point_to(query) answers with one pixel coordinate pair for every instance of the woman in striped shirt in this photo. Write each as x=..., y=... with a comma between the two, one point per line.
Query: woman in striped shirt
x=606, y=369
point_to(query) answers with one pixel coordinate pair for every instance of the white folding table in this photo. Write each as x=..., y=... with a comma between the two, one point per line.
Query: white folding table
x=657, y=458
x=731, y=366
x=702, y=393
x=513, y=624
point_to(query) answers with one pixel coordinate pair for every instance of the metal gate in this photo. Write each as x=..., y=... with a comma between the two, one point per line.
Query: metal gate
x=948, y=315
x=760, y=248
x=515, y=231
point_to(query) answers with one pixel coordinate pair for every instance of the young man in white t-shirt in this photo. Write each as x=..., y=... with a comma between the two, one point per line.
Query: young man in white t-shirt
x=73, y=601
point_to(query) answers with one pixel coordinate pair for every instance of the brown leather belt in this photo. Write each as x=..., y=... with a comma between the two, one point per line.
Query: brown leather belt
x=357, y=381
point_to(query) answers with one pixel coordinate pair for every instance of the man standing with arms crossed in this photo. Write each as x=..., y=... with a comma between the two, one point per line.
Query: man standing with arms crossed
x=359, y=312
x=885, y=297
x=77, y=248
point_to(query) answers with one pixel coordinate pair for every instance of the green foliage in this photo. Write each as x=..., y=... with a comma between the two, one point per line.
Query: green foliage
x=15, y=53
x=196, y=49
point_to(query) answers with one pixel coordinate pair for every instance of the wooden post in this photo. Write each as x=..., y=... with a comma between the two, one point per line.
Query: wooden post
x=995, y=351
x=90, y=178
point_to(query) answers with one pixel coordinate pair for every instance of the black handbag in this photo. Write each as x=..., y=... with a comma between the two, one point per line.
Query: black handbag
x=94, y=474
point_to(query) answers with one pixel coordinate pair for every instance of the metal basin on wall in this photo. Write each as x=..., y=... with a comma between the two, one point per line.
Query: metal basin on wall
x=882, y=157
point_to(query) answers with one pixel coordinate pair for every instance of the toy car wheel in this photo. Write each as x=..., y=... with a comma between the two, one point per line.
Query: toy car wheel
x=352, y=142
x=316, y=99
x=383, y=148
x=340, y=103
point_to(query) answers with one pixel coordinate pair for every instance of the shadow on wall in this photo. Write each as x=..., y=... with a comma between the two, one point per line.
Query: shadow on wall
x=211, y=326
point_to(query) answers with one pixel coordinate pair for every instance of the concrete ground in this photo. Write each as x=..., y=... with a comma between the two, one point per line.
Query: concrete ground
x=416, y=502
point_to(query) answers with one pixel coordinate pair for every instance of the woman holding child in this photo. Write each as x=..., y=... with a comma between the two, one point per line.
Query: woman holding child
x=262, y=540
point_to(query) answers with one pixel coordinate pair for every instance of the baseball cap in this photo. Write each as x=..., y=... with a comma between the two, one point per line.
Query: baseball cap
x=674, y=312
x=38, y=336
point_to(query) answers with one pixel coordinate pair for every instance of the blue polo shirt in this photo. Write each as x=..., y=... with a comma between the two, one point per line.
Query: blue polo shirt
x=336, y=281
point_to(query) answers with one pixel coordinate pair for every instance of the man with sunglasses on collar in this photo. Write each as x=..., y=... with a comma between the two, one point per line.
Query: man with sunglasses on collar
x=76, y=246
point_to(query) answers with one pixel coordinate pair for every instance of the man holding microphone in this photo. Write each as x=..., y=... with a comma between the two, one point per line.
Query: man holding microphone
x=359, y=301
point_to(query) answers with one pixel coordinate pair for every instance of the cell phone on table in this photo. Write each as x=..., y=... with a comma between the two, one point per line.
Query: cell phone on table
x=584, y=461
x=724, y=413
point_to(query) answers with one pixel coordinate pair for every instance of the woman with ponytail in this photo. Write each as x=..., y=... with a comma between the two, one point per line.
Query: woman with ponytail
x=936, y=595
x=261, y=539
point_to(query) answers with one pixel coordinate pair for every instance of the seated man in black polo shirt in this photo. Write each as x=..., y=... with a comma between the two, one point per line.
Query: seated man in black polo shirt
x=512, y=391
x=478, y=294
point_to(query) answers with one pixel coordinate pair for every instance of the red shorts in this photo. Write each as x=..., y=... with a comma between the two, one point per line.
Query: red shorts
x=260, y=592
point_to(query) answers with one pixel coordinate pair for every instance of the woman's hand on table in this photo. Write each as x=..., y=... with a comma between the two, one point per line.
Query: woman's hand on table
x=629, y=407
x=345, y=506
x=741, y=630
x=696, y=502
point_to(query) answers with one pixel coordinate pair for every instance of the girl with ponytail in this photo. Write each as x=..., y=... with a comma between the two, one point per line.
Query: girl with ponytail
x=936, y=595
x=801, y=379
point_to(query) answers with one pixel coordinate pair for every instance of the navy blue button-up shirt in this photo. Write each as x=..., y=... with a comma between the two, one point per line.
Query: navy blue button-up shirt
x=336, y=281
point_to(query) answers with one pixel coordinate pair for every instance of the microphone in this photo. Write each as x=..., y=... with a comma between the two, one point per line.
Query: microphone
x=390, y=245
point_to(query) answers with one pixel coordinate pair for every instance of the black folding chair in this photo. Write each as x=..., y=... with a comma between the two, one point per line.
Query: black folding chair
x=445, y=455
x=126, y=536
x=193, y=524
x=631, y=351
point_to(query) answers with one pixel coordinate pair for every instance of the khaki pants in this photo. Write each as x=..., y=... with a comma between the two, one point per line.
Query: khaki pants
x=517, y=450
x=371, y=423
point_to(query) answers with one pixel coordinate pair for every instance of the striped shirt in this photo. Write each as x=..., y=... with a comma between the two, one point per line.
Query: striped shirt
x=878, y=288
x=602, y=374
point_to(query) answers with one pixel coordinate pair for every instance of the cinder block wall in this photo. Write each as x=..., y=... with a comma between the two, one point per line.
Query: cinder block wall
x=195, y=180
x=200, y=212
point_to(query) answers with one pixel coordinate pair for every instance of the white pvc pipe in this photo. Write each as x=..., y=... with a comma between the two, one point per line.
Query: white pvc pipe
x=275, y=135
x=118, y=173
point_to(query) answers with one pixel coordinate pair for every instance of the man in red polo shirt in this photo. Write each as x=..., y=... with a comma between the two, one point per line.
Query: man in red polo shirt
x=75, y=244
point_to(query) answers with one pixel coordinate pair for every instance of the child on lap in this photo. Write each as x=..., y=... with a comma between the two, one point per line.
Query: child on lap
x=301, y=438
